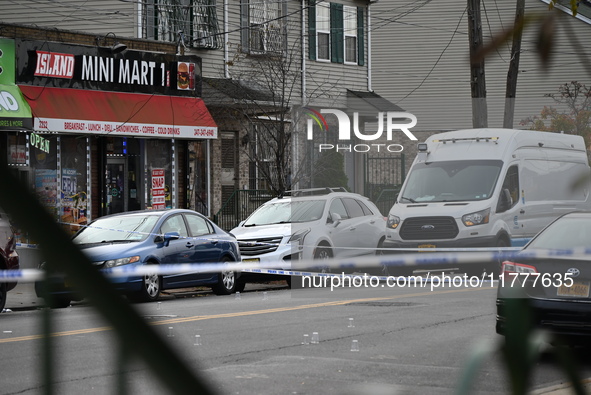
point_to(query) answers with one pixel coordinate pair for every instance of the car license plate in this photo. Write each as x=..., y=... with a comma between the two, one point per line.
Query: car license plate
x=251, y=260
x=578, y=289
x=426, y=246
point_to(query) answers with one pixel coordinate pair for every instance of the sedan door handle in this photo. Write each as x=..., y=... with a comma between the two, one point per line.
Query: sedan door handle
x=522, y=211
x=213, y=241
x=352, y=228
x=189, y=245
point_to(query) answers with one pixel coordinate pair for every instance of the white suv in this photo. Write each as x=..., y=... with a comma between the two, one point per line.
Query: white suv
x=311, y=224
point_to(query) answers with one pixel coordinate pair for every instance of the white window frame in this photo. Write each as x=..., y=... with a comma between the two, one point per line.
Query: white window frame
x=350, y=31
x=323, y=28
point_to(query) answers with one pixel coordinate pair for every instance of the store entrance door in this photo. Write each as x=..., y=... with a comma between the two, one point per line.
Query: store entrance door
x=115, y=185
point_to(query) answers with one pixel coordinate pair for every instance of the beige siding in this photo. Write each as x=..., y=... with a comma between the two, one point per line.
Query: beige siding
x=420, y=61
x=100, y=17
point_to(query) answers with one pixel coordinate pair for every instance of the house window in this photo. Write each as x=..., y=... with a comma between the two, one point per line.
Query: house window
x=350, y=30
x=335, y=33
x=263, y=26
x=187, y=22
x=323, y=31
x=263, y=155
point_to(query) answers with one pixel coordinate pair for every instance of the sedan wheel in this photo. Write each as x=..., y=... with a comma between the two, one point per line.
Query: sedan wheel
x=226, y=283
x=150, y=291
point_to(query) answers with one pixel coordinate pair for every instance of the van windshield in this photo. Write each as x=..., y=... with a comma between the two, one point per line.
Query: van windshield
x=451, y=181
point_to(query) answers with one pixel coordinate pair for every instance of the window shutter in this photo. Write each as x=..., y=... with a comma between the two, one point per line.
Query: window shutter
x=244, y=26
x=337, y=35
x=311, y=29
x=360, y=37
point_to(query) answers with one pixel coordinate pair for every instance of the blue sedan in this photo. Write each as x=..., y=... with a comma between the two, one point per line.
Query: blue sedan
x=153, y=237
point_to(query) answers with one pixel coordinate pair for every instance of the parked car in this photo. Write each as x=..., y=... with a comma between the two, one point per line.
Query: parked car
x=318, y=223
x=9, y=259
x=153, y=237
x=556, y=281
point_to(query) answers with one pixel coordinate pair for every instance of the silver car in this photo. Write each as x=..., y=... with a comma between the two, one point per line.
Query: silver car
x=310, y=224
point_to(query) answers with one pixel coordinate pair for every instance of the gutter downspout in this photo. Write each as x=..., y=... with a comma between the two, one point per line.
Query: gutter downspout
x=304, y=101
x=369, y=88
x=226, y=58
x=140, y=27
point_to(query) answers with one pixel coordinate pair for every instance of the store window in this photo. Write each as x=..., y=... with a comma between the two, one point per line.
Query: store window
x=124, y=175
x=17, y=149
x=159, y=160
x=74, y=203
x=198, y=181
x=44, y=172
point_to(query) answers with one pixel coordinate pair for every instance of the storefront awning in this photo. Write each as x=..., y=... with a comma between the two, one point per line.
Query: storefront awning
x=15, y=113
x=118, y=114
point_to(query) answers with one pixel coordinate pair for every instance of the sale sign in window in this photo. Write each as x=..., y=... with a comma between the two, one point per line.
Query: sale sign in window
x=158, y=189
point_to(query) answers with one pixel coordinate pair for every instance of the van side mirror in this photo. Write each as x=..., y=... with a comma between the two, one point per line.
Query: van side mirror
x=505, y=201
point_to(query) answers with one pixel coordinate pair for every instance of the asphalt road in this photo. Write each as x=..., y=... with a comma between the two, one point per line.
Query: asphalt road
x=411, y=341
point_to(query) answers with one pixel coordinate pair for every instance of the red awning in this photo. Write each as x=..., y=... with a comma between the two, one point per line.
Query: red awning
x=118, y=114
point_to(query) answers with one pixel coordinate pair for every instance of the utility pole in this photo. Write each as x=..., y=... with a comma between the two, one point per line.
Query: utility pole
x=513, y=72
x=477, y=80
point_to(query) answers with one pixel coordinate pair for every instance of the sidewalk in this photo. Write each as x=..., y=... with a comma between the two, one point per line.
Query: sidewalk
x=23, y=296
x=562, y=389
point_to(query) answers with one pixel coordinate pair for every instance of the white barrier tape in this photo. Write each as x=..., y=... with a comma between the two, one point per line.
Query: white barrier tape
x=416, y=260
x=427, y=278
x=277, y=245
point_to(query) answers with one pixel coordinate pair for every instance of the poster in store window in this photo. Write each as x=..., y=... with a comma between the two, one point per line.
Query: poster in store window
x=158, y=189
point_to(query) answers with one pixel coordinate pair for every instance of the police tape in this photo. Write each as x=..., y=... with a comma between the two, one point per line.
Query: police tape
x=138, y=236
x=387, y=263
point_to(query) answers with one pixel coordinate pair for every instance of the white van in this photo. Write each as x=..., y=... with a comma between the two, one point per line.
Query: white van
x=488, y=188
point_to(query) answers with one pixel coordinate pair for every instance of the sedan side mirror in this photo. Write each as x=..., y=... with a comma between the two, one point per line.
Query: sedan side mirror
x=168, y=236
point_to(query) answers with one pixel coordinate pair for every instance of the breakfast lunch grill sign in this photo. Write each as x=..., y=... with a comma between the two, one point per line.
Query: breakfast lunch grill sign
x=88, y=90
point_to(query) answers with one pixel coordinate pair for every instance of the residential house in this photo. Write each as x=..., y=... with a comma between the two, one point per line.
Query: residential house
x=263, y=65
x=421, y=59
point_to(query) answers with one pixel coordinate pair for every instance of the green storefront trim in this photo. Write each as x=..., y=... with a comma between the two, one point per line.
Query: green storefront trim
x=15, y=113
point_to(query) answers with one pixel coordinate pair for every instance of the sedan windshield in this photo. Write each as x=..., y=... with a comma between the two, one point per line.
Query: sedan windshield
x=287, y=212
x=122, y=228
x=451, y=181
x=566, y=233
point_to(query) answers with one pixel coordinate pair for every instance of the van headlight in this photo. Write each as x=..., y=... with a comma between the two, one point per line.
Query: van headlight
x=393, y=221
x=122, y=261
x=477, y=218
